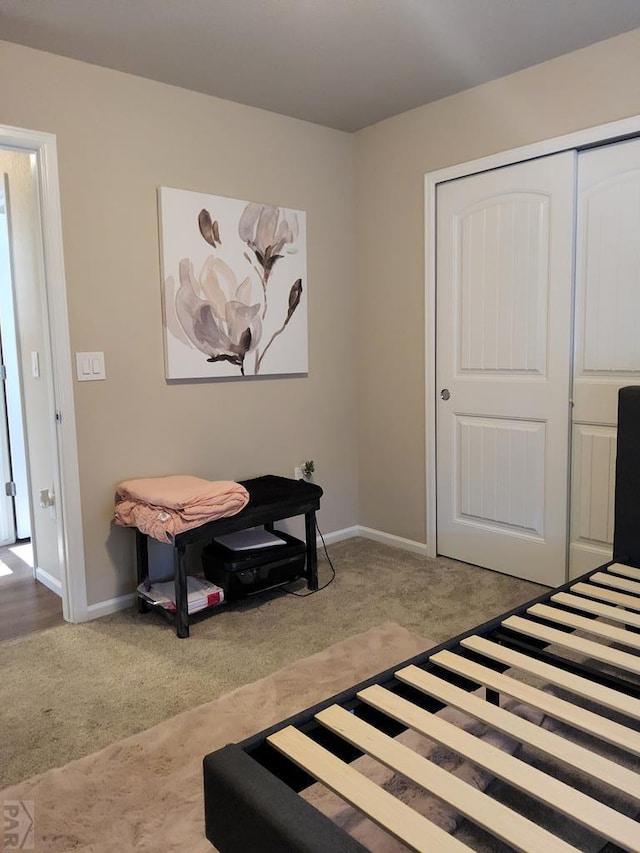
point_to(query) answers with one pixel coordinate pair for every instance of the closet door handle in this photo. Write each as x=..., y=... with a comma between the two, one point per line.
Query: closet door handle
x=445, y=394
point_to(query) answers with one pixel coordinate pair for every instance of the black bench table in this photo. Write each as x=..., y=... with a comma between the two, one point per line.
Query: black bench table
x=271, y=499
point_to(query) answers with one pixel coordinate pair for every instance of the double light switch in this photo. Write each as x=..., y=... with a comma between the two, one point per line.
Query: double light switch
x=90, y=366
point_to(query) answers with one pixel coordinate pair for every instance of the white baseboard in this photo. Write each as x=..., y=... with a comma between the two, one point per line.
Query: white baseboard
x=377, y=536
x=49, y=581
x=339, y=535
x=393, y=541
x=112, y=605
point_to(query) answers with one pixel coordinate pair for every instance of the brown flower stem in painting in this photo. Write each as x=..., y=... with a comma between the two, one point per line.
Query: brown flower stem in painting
x=264, y=352
x=294, y=300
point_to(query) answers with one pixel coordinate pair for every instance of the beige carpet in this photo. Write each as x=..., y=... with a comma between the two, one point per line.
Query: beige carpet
x=73, y=690
x=144, y=793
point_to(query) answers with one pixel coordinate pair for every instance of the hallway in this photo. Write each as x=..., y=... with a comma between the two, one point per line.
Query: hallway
x=26, y=605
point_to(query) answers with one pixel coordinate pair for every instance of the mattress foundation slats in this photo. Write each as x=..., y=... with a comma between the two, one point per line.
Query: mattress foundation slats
x=583, y=623
x=580, y=718
x=627, y=571
x=522, y=730
x=616, y=581
x=596, y=816
x=587, y=605
x=610, y=595
x=623, y=660
x=383, y=808
x=577, y=684
x=517, y=831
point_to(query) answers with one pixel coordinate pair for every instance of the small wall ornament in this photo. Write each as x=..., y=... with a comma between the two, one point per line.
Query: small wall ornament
x=308, y=468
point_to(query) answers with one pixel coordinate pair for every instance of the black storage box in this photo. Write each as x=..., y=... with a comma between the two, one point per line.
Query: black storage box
x=241, y=573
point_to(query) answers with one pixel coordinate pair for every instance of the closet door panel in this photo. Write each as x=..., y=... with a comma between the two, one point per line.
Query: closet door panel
x=504, y=309
x=607, y=337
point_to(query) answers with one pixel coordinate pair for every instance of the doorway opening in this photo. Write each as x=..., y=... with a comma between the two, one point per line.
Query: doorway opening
x=41, y=495
x=26, y=605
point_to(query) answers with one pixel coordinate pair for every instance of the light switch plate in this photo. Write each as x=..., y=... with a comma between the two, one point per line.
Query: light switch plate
x=90, y=366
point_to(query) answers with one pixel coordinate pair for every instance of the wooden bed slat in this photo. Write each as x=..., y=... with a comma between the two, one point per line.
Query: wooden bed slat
x=617, y=582
x=630, y=601
x=594, y=724
x=577, y=684
x=524, y=731
x=623, y=660
x=383, y=808
x=616, y=614
x=627, y=571
x=517, y=831
x=592, y=626
x=595, y=815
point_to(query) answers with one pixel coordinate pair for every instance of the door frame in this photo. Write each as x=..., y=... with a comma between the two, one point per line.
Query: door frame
x=65, y=461
x=599, y=135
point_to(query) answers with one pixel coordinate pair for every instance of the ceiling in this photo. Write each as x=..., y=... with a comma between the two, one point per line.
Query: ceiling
x=345, y=64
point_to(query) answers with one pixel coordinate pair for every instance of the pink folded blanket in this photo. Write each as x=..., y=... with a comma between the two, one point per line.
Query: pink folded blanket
x=162, y=507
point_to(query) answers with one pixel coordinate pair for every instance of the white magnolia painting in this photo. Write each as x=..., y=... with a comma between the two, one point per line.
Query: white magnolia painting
x=234, y=286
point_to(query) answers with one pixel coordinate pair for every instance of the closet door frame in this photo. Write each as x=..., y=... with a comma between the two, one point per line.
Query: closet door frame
x=599, y=135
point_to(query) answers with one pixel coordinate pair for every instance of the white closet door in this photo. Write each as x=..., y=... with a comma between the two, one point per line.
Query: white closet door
x=504, y=311
x=607, y=338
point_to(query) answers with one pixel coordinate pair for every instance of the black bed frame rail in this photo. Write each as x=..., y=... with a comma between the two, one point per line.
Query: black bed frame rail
x=257, y=748
x=280, y=821
x=254, y=768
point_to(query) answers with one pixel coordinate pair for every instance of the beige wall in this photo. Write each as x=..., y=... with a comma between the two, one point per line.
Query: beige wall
x=589, y=87
x=119, y=138
x=360, y=413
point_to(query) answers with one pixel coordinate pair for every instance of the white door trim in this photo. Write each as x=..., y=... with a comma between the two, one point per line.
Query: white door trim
x=600, y=134
x=69, y=516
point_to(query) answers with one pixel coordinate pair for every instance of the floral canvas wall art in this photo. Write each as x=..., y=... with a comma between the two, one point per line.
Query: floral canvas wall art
x=234, y=279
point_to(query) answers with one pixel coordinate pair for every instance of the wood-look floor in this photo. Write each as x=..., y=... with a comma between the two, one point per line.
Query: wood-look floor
x=26, y=605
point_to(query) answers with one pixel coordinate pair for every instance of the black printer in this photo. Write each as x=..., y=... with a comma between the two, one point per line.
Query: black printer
x=244, y=571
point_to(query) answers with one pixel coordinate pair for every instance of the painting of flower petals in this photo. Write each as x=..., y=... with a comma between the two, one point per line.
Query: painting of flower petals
x=234, y=277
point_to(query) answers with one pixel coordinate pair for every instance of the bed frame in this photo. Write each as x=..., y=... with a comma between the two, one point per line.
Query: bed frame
x=251, y=799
